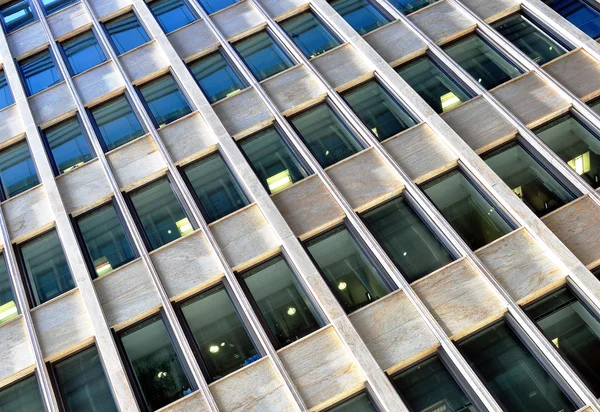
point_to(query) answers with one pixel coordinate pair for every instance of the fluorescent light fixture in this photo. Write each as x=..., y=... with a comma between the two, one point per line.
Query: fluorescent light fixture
x=279, y=181
x=102, y=266
x=8, y=311
x=581, y=164
x=75, y=166
x=184, y=226
x=449, y=101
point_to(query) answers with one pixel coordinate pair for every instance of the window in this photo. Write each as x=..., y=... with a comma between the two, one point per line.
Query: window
x=171, y=14
x=50, y=6
x=216, y=77
x=8, y=308
x=218, y=332
x=45, y=267
x=38, y=72
x=410, y=6
x=575, y=144
x=408, y=241
x=115, y=123
x=530, y=39
x=164, y=100
x=327, y=137
x=67, y=145
x=273, y=160
x=482, y=62
x=309, y=34
x=596, y=272
x=154, y=364
x=160, y=215
x=82, y=52
x=434, y=86
x=23, y=395
x=579, y=13
x=126, y=32
x=360, y=14
x=378, y=110
x=350, y=275
x=17, y=171
x=280, y=302
x=82, y=384
x=360, y=402
x=212, y=6
x=16, y=14
x=106, y=243
x=473, y=216
x=216, y=189
x=428, y=386
x=6, y=97
x=536, y=187
x=263, y=56
x=511, y=372
x=574, y=331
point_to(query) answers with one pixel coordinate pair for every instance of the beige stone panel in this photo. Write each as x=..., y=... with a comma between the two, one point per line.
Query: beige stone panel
x=243, y=113
x=443, y=22
x=492, y=10
x=27, y=213
x=192, y=40
x=322, y=368
x=294, y=89
x=521, y=266
x=396, y=43
x=237, y=19
x=480, y=125
x=84, y=187
x=531, y=99
x=187, y=138
x=393, y=330
x=136, y=162
x=255, y=388
x=62, y=324
x=245, y=236
x=365, y=180
x=27, y=40
x=100, y=81
x=53, y=104
x=11, y=124
x=421, y=153
x=577, y=71
x=127, y=294
x=280, y=9
x=459, y=298
x=15, y=348
x=193, y=402
x=341, y=76
x=104, y=9
x=577, y=225
x=308, y=207
x=187, y=265
x=144, y=62
x=68, y=19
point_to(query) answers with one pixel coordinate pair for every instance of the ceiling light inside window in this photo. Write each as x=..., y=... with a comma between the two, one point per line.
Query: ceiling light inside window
x=279, y=181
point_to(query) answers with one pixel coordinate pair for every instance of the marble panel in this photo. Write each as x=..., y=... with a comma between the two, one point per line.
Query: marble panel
x=492, y=10
x=15, y=349
x=105, y=9
x=237, y=19
x=443, y=22
x=143, y=62
x=579, y=72
x=51, y=104
x=342, y=76
x=68, y=19
x=396, y=43
x=192, y=40
x=280, y=9
x=243, y=113
x=11, y=124
x=294, y=89
x=187, y=138
x=98, y=82
x=27, y=40
x=193, y=402
x=84, y=187
x=27, y=213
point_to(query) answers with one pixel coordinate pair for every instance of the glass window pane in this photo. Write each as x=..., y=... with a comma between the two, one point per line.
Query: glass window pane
x=68, y=145
x=469, y=213
x=358, y=403
x=157, y=369
x=216, y=188
x=263, y=56
x=212, y=6
x=575, y=144
x=428, y=386
x=22, y=396
x=54, y=5
x=434, y=86
x=580, y=14
x=273, y=161
x=82, y=383
x=327, y=137
x=410, y=6
x=6, y=97
x=8, y=308
x=116, y=123
x=106, y=243
x=360, y=14
x=407, y=240
x=309, y=34
x=83, y=52
x=165, y=100
x=16, y=14
x=349, y=274
x=511, y=373
x=378, y=110
x=220, y=334
x=17, y=171
x=39, y=72
x=46, y=267
x=530, y=39
x=216, y=77
x=171, y=14
x=160, y=213
x=126, y=32
x=573, y=330
x=481, y=61
x=528, y=179
x=281, y=301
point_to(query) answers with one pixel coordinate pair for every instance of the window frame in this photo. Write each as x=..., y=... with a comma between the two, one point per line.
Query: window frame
x=110, y=39
x=187, y=4
x=3, y=197
x=22, y=76
x=46, y=13
x=6, y=5
x=363, y=391
x=21, y=379
x=65, y=58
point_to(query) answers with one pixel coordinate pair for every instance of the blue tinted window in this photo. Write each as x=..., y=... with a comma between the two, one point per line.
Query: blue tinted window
x=410, y=6
x=360, y=14
x=165, y=100
x=23, y=395
x=82, y=52
x=309, y=34
x=212, y=6
x=216, y=77
x=16, y=15
x=17, y=171
x=126, y=32
x=263, y=56
x=39, y=72
x=54, y=5
x=116, y=123
x=171, y=14
x=68, y=145
x=580, y=14
x=6, y=97
x=8, y=308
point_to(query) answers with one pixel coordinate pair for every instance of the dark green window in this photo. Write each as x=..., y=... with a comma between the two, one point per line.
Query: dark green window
x=362, y=15
x=172, y=14
x=17, y=171
x=126, y=32
x=22, y=396
x=8, y=308
x=309, y=34
x=357, y=403
x=410, y=6
x=69, y=146
x=263, y=55
x=82, y=52
x=165, y=100
x=116, y=123
x=216, y=77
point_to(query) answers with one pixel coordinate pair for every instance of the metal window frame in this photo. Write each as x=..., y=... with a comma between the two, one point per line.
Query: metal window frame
x=185, y=2
x=109, y=37
x=65, y=57
x=22, y=75
x=8, y=4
